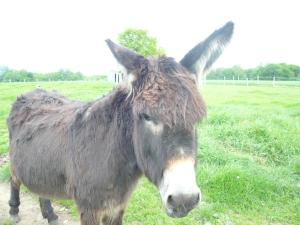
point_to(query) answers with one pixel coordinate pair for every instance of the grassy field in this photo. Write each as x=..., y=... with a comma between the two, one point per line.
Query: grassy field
x=249, y=155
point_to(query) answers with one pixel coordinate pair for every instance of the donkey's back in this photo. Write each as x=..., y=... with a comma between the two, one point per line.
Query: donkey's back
x=40, y=106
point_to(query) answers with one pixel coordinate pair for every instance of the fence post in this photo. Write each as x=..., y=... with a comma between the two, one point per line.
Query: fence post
x=257, y=82
x=233, y=80
x=224, y=80
x=247, y=81
x=273, y=83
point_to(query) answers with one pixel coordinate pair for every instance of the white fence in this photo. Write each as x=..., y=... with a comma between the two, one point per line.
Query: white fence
x=272, y=81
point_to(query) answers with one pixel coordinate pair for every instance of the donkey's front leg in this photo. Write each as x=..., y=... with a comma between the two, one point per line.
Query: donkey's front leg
x=114, y=220
x=14, y=201
x=47, y=211
x=89, y=217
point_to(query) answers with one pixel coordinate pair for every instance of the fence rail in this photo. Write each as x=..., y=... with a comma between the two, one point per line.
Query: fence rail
x=274, y=81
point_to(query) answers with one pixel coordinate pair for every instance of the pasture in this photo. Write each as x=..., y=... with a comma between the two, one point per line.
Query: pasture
x=248, y=153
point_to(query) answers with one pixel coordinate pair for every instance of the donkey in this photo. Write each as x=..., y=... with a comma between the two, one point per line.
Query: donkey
x=94, y=153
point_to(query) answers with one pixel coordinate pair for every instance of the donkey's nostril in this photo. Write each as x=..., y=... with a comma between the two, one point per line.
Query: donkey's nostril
x=170, y=200
x=187, y=201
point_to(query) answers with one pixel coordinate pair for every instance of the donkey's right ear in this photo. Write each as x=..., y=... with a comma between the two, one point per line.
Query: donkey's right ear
x=132, y=61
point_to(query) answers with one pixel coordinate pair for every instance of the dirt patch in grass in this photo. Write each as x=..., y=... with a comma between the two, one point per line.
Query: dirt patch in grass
x=29, y=210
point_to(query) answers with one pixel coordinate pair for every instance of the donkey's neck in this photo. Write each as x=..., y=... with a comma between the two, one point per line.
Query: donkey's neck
x=102, y=147
x=109, y=125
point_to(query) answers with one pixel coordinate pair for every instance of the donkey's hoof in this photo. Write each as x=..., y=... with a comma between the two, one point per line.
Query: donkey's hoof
x=54, y=222
x=15, y=219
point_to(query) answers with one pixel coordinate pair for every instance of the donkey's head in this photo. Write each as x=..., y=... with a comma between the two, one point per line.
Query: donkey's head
x=166, y=107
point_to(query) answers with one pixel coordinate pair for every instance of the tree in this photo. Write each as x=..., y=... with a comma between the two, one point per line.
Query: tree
x=139, y=41
x=23, y=75
x=267, y=72
x=229, y=73
x=17, y=75
x=65, y=75
x=296, y=70
x=3, y=70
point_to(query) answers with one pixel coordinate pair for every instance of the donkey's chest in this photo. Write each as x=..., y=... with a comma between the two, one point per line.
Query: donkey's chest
x=105, y=193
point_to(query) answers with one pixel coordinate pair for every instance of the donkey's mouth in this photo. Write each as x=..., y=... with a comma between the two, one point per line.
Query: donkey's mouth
x=177, y=213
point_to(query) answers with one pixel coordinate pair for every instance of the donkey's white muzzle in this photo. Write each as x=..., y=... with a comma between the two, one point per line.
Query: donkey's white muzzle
x=178, y=188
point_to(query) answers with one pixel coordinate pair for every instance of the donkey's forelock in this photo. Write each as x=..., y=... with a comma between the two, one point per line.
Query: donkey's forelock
x=169, y=92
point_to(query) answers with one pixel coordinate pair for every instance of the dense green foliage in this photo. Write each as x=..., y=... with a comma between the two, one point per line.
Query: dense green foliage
x=139, y=41
x=8, y=75
x=249, y=155
x=16, y=75
x=60, y=75
x=281, y=71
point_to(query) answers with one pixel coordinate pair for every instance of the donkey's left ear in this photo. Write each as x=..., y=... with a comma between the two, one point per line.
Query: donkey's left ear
x=132, y=61
x=199, y=59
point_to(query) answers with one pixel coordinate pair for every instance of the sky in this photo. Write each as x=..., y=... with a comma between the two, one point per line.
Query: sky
x=48, y=35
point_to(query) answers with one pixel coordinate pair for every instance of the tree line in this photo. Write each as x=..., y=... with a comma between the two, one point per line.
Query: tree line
x=281, y=71
x=9, y=75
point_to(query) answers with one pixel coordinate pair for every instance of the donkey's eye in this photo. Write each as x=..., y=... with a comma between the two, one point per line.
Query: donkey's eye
x=146, y=117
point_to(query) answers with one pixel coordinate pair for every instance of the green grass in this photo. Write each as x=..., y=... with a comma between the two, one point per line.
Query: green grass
x=249, y=155
x=6, y=222
x=4, y=173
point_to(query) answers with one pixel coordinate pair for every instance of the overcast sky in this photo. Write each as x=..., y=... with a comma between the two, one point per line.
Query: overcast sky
x=47, y=35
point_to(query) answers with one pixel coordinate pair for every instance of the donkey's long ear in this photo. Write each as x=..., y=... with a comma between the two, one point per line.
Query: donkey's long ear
x=132, y=61
x=199, y=59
